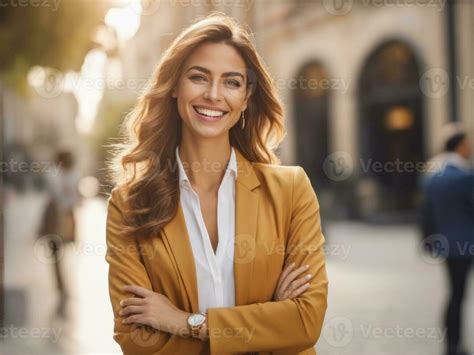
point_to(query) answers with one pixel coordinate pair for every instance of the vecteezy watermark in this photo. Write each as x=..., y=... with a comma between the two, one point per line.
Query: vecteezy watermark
x=343, y=7
x=243, y=4
x=144, y=336
x=340, y=331
x=50, y=83
x=13, y=332
x=243, y=333
x=16, y=166
x=434, y=83
x=338, y=250
x=338, y=7
x=437, y=4
x=339, y=166
x=397, y=331
x=144, y=7
x=398, y=166
x=304, y=83
x=244, y=250
x=204, y=165
x=45, y=247
x=151, y=7
x=52, y=4
x=435, y=248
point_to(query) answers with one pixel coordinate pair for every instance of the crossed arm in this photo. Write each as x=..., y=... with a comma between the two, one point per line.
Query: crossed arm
x=291, y=325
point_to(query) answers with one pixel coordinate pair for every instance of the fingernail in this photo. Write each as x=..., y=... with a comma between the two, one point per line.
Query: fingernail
x=306, y=266
x=308, y=276
x=292, y=264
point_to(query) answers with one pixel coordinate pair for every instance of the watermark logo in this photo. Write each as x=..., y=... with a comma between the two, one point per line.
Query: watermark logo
x=244, y=249
x=144, y=336
x=13, y=332
x=434, y=83
x=48, y=248
x=48, y=83
x=338, y=332
x=338, y=7
x=338, y=166
x=434, y=249
x=51, y=4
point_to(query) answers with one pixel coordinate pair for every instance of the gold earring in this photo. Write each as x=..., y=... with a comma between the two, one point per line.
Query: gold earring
x=243, y=119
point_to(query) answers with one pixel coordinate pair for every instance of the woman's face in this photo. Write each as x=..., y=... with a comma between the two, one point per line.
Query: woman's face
x=211, y=91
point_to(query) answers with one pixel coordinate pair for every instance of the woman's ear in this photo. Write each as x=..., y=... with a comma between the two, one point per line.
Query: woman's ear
x=244, y=107
x=248, y=93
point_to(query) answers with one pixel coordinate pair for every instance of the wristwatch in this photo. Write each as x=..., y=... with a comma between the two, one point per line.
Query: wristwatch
x=195, y=322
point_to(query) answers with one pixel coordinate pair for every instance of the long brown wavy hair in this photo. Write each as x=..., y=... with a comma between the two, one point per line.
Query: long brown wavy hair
x=144, y=162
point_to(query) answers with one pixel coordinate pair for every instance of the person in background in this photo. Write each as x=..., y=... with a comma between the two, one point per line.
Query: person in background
x=450, y=133
x=58, y=223
x=448, y=227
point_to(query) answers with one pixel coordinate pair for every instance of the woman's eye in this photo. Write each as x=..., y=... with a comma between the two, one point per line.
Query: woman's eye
x=197, y=77
x=234, y=83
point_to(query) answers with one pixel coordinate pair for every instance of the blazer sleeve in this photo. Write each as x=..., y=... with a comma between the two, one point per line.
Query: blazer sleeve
x=291, y=325
x=125, y=268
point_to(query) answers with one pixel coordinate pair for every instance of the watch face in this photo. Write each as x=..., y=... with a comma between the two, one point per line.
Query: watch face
x=196, y=319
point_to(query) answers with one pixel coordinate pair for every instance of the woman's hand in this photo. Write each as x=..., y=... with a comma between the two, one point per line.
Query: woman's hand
x=152, y=309
x=290, y=287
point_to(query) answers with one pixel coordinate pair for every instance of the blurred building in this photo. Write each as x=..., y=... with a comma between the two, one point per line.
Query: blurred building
x=367, y=87
x=381, y=92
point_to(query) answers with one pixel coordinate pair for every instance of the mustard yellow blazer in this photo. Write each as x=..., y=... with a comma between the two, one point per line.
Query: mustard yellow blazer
x=277, y=222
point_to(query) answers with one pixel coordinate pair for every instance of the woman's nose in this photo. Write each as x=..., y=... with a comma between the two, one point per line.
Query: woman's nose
x=213, y=92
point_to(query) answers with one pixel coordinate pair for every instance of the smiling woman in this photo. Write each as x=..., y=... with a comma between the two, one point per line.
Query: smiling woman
x=203, y=222
x=217, y=93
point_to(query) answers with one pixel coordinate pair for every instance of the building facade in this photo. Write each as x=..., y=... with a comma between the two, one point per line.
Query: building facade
x=367, y=87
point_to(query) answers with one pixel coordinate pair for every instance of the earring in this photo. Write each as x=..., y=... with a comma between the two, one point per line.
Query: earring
x=243, y=119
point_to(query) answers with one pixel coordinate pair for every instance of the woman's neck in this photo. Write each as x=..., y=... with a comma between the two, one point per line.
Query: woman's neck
x=205, y=163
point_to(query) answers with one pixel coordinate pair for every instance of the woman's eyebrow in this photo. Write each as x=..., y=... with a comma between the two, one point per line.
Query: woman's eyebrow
x=207, y=71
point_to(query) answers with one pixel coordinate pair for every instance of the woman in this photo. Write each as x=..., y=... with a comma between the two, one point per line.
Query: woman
x=207, y=236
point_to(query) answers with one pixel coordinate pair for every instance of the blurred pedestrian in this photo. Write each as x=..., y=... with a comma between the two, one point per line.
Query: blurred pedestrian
x=58, y=223
x=448, y=228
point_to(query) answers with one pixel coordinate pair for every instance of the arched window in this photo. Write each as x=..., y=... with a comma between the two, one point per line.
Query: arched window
x=391, y=123
x=311, y=92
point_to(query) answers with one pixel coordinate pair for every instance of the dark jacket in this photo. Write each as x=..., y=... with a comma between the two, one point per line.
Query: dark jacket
x=448, y=212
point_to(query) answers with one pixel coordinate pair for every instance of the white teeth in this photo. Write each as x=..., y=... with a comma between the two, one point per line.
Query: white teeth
x=210, y=113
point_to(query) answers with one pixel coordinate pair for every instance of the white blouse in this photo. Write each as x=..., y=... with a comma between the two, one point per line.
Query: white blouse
x=214, y=271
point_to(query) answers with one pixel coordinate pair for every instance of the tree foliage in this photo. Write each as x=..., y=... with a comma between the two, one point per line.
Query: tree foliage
x=49, y=33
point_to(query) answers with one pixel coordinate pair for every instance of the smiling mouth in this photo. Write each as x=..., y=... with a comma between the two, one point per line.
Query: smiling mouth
x=209, y=113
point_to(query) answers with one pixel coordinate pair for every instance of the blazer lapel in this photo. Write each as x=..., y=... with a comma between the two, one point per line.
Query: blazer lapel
x=246, y=214
x=176, y=236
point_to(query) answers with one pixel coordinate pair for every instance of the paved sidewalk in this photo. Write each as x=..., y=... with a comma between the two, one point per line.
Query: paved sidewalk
x=33, y=327
x=385, y=296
